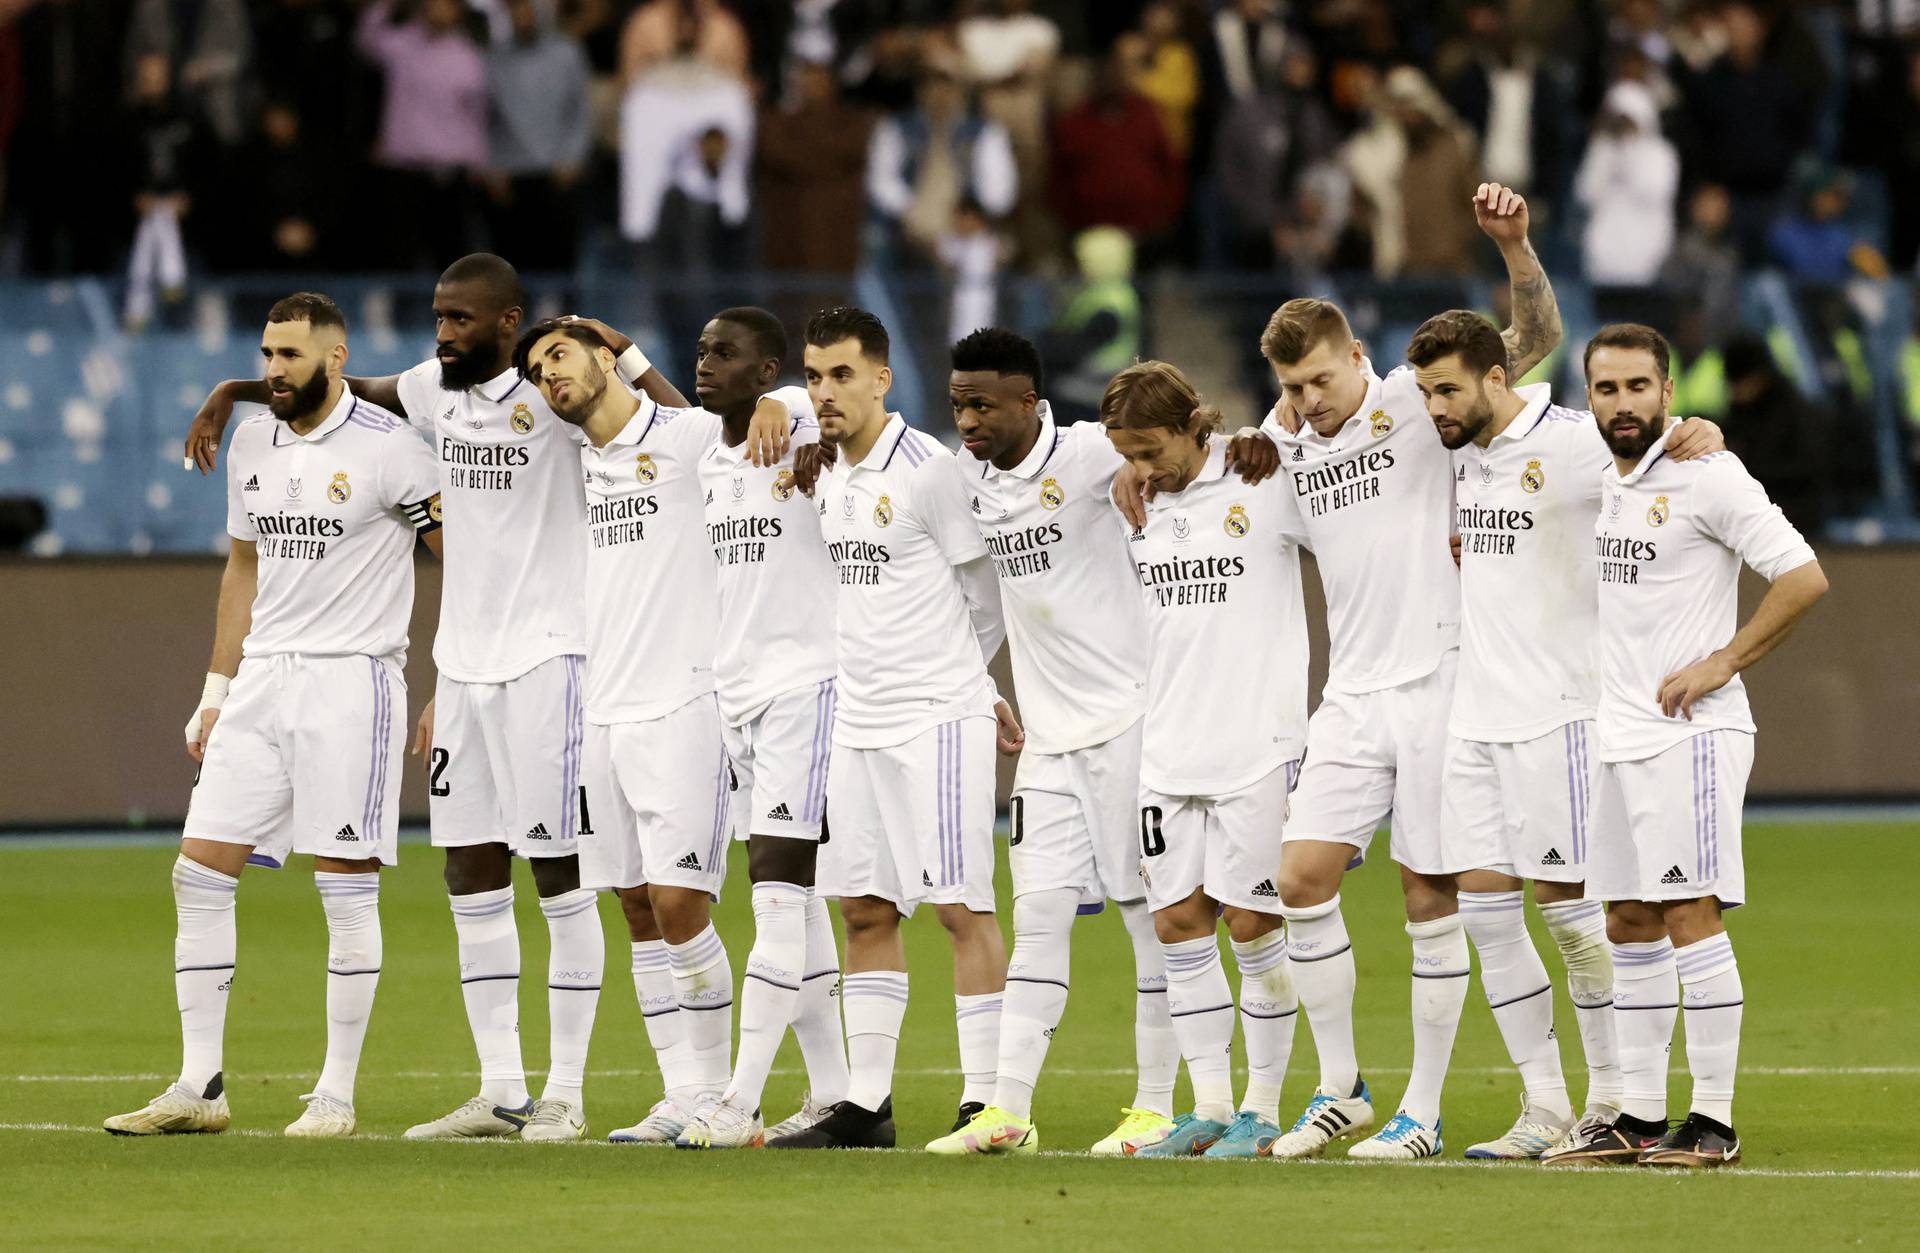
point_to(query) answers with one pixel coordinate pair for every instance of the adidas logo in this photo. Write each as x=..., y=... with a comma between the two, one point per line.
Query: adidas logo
x=1673, y=876
x=539, y=832
x=689, y=862
x=780, y=813
x=1300, y=455
x=926, y=880
x=1553, y=858
x=976, y=504
x=345, y=833
x=253, y=484
x=1266, y=888
x=709, y=495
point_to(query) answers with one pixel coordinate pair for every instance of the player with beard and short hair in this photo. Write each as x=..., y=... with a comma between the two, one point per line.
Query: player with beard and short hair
x=1676, y=743
x=502, y=737
x=307, y=689
x=1522, y=763
x=910, y=790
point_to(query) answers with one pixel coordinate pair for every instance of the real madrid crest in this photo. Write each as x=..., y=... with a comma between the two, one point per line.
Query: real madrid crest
x=1052, y=495
x=1657, y=513
x=783, y=485
x=1237, y=523
x=521, y=419
x=1380, y=422
x=433, y=508
x=339, y=491
x=883, y=511
x=645, y=470
x=1533, y=478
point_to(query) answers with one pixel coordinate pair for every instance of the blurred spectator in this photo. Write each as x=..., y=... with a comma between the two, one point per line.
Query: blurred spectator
x=1099, y=332
x=1314, y=234
x=346, y=95
x=666, y=30
x=542, y=130
x=1511, y=99
x=923, y=163
x=1008, y=53
x=433, y=125
x=76, y=222
x=1751, y=115
x=1249, y=44
x=209, y=43
x=1781, y=435
x=1112, y=162
x=1627, y=183
x=1414, y=155
x=1898, y=149
x=971, y=253
x=1266, y=147
x=811, y=161
x=1170, y=74
x=1704, y=264
x=167, y=143
x=288, y=220
x=1817, y=241
x=686, y=138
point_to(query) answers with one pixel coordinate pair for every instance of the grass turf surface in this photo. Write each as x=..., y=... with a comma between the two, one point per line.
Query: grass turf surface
x=1829, y=1082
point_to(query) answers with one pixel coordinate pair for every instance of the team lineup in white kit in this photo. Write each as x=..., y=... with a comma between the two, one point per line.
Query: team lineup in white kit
x=766, y=616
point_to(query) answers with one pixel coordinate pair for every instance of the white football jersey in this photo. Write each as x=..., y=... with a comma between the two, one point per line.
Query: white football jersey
x=1076, y=635
x=1219, y=566
x=1669, y=540
x=776, y=582
x=896, y=525
x=513, y=594
x=1376, y=499
x=1524, y=507
x=333, y=514
x=652, y=592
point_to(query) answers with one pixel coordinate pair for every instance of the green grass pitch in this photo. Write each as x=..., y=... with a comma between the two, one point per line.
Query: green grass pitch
x=1828, y=1102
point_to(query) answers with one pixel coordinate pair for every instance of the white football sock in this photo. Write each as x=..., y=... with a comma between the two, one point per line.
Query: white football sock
x=352, y=905
x=1519, y=993
x=703, y=986
x=489, y=945
x=1320, y=959
x=1202, y=1008
x=1037, y=977
x=977, y=1021
x=204, y=942
x=1646, y=999
x=770, y=993
x=816, y=1022
x=660, y=1011
x=1579, y=928
x=1268, y=1009
x=1156, y=1049
x=576, y=962
x=875, y=1001
x=1712, y=998
x=1440, y=969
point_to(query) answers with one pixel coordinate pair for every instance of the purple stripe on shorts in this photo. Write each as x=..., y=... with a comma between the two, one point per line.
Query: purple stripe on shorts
x=1712, y=869
x=816, y=765
x=720, y=806
x=383, y=681
x=1699, y=808
x=953, y=808
x=570, y=753
x=1586, y=794
x=373, y=755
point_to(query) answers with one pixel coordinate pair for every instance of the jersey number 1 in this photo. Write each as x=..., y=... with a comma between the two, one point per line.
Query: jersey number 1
x=1152, y=842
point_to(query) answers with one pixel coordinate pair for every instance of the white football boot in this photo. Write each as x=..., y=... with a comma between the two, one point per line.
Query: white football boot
x=1599, y=1115
x=662, y=1125
x=1328, y=1117
x=326, y=1117
x=177, y=1111
x=1530, y=1136
x=720, y=1125
x=555, y=1120
x=802, y=1119
x=478, y=1119
x=1404, y=1138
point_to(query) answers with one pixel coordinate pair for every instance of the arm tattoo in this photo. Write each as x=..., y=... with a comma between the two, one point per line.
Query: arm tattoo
x=1536, y=329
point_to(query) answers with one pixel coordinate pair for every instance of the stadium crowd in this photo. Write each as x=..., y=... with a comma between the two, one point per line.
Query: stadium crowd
x=1658, y=139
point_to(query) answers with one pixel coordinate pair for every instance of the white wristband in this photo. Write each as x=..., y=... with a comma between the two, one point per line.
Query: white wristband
x=631, y=364
x=213, y=694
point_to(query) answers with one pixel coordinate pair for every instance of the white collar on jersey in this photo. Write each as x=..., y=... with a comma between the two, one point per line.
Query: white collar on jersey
x=1213, y=468
x=1648, y=459
x=1368, y=403
x=508, y=381
x=639, y=424
x=883, y=448
x=1044, y=446
x=334, y=420
x=1537, y=396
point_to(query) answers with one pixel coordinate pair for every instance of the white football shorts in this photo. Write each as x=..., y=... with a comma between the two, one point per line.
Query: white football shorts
x=913, y=822
x=505, y=766
x=1075, y=821
x=1680, y=838
x=306, y=758
x=1228, y=845
x=663, y=819
x=1524, y=809
x=779, y=758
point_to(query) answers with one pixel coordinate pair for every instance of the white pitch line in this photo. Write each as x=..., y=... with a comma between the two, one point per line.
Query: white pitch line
x=1065, y=1072
x=1732, y=1172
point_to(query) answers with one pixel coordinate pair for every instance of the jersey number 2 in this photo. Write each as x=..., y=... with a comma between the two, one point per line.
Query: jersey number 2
x=434, y=786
